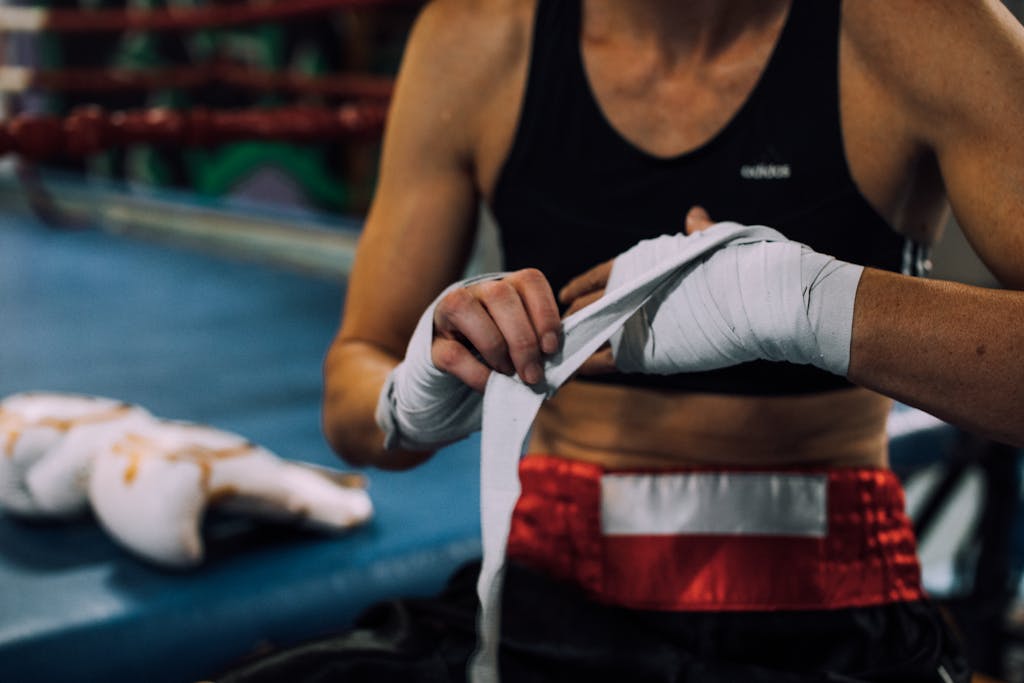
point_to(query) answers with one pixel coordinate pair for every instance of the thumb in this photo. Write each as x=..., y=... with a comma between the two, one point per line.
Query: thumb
x=697, y=219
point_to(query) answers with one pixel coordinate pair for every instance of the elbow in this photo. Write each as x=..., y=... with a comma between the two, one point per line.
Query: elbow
x=356, y=444
x=1002, y=428
x=338, y=407
x=365, y=448
x=1012, y=432
x=335, y=434
x=352, y=378
x=340, y=432
x=1014, y=439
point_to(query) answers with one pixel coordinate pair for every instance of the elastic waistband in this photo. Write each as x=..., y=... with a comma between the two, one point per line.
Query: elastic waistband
x=733, y=539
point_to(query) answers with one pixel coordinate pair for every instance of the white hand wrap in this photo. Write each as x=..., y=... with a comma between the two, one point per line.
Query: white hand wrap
x=151, y=487
x=649, y=286
x=773, y=299
x=47, y=446
x=420, y=406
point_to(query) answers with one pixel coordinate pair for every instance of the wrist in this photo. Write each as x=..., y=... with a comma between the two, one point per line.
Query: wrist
x=420, y=406
x=831, y=293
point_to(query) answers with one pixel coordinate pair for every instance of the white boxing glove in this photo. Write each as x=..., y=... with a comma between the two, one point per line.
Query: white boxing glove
x=150, y=489
x=764, y=298
x=48, y=442
x=420, y=406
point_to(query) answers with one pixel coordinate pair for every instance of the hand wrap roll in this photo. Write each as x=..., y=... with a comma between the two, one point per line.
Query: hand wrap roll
x=420, y=406
x=772, y=299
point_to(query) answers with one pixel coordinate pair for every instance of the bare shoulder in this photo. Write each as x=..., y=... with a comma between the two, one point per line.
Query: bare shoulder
x=949, y=73
x=477, y=35
x=423, y=216
x=461, y=51
x=936, y=57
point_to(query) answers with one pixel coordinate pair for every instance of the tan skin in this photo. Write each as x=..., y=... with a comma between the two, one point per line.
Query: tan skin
x=924, y=112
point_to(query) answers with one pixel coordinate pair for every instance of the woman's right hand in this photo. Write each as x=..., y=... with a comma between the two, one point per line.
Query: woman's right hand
x=506, y=325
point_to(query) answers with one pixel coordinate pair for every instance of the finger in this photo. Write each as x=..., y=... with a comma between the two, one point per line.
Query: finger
x=593, y=279
x=584, y=300
x=536, y=295
x=462, y=316
x=502, y=301
x=697, y=219
x=455, y=359
x=601, y=362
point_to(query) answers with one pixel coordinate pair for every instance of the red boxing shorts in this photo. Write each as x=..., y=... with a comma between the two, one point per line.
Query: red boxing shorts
x=717, y=540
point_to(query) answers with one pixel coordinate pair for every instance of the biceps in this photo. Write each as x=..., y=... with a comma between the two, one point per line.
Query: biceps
x=420, y=226
x=984, y=177
x=956, y=87
x=415, y=242
x=976, y=127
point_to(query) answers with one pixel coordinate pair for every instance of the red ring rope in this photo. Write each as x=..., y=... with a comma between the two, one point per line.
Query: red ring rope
x=20, y=79
x=88, y=130
x=38, y=19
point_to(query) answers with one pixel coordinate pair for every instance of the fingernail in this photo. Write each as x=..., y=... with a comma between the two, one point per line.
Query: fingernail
x=549, y=342
x=533, y=373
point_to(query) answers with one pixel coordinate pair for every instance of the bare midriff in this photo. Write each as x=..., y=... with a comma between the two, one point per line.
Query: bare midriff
x=626, y=428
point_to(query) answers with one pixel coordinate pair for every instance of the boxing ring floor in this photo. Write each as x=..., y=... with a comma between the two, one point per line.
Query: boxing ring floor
x=233, y=345
x=239, y=346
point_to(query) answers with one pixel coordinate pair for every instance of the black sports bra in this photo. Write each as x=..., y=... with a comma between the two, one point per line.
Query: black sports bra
x=573, y=192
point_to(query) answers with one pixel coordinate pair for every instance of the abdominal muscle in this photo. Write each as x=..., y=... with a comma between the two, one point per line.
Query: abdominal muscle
x=627, y=428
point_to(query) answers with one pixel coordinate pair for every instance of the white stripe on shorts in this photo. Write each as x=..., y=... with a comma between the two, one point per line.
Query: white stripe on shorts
x=730, y=503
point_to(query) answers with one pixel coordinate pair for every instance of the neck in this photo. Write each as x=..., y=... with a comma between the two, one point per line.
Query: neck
x=680, y=30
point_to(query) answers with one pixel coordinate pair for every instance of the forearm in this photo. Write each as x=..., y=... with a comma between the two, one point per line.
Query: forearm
x=354, y=373
x=953, y=350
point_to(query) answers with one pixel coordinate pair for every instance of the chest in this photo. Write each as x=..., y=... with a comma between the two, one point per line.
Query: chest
x=669, y=110
x=665, y=114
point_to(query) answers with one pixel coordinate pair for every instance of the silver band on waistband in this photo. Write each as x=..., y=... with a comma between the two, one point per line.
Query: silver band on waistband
x=728, y=503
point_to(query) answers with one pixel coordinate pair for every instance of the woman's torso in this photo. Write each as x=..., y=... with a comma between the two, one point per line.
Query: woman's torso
x=620, y=425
